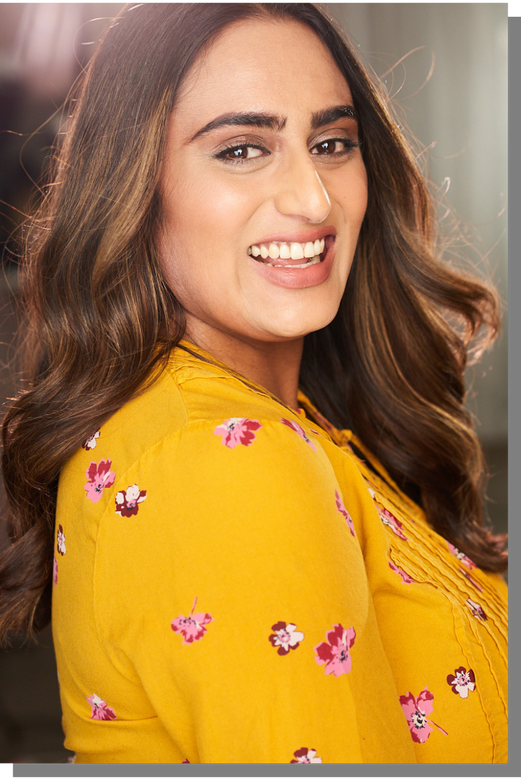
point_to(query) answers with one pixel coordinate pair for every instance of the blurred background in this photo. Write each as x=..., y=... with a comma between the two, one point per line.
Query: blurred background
x=445, y=67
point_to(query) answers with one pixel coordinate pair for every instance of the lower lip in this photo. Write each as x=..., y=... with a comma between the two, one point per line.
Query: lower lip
x=298, y=278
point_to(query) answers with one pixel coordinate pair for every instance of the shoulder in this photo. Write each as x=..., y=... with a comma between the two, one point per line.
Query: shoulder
x=193, y=413
x=194, y=402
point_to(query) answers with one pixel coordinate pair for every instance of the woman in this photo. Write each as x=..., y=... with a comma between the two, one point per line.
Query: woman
x=242, y=570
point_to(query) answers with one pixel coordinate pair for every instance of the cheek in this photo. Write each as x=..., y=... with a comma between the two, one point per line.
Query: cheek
x=351, y=191
x=198, y=240
x=184, y=275
x=355, y=202
x=204, y=220
x=208, y=209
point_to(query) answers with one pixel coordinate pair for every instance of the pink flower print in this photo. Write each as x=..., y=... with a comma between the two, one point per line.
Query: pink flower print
x=305, y=756
x=476, y=609
x=286, y=637
x=237, y=430
x=127, y=501
x=91, y=442
x=193, y=627
x=99, y=477
x=334, y=653
x=186, y=761
x=60, y=541
x=55, y=571
x=406, y=578
x=99, y=709
x=462, y=557
x=343, y=511
x=462, y=681
x=299, y=430
x=416, y=711
x=388, y=519
x=471, y=579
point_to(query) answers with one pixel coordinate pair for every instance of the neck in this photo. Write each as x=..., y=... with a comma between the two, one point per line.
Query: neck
x=273, y=365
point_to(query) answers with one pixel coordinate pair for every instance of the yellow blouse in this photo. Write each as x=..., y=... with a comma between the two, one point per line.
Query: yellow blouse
x=232, y=584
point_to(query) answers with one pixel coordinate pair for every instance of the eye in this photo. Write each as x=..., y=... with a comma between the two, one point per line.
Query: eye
x=334, y=147
x=241, y=153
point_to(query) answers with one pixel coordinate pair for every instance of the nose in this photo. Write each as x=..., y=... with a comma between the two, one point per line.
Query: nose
x=300, y=191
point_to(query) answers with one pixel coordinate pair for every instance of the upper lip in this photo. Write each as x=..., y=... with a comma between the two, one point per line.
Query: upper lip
x=297, y=236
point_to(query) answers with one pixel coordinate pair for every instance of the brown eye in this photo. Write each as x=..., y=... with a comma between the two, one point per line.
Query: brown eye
x=327, y=147
x=334, y=147
x=241, y=152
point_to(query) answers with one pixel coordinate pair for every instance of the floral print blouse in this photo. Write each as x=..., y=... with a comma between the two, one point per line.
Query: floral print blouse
x=234, y=584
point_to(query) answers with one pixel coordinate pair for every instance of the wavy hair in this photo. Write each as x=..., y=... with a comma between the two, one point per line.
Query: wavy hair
x=100, y=321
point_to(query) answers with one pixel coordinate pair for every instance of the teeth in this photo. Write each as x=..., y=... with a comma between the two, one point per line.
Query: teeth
x=287, y=251
x=273, y=251
x=312, y=261
x=297, y=253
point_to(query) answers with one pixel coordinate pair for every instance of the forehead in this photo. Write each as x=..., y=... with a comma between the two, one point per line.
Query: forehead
x=262, y=65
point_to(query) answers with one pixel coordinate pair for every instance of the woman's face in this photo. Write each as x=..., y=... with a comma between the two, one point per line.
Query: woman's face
x=261, y=172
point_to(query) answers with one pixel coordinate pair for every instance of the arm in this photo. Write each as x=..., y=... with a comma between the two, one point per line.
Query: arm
x=241, y=602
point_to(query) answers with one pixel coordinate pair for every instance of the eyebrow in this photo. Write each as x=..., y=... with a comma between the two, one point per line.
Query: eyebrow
x=273, y=122
x=321, y=118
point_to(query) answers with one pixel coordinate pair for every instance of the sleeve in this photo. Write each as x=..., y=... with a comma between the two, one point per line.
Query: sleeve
x=232, y=583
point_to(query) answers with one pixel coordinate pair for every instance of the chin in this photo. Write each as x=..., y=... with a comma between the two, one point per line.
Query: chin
x=298, y=327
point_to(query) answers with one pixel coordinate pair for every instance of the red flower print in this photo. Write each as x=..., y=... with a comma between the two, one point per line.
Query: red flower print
x=99, y=709
x=91, y=442
x=193, y=627
x=462, y=681
x=476, y=609
x=55, y=571
x=388, y=519
x=299, y=430
x=406, y=578
x=305, y=756
x=343, y=511
x=99, y=477
x=416, y=711
x=334, y=653
x=237, y=430
x=470, y=579
x=60, y=541
x=127, y=501
x=462, y=557
x=286, y=637
x=186, y=761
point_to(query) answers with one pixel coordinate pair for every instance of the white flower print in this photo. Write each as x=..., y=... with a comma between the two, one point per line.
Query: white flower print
x=285, y=637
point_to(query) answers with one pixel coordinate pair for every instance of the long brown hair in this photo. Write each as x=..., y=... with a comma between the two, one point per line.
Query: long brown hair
x=100, y=321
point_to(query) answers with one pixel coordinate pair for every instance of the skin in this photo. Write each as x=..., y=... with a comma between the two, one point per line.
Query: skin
x=215, y=208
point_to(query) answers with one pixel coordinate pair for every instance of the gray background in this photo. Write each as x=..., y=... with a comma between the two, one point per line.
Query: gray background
x=458, y=112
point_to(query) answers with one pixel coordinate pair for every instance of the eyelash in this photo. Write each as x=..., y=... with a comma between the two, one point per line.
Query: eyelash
x=349, y=146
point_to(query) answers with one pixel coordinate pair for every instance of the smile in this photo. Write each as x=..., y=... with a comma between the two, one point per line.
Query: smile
x=282, y=271
x=311, y=251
